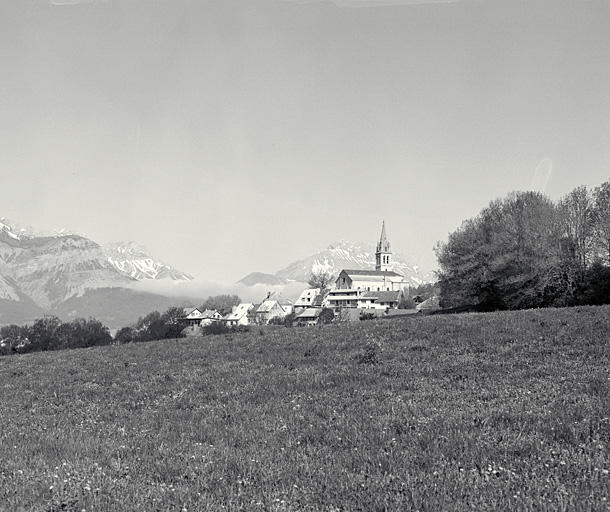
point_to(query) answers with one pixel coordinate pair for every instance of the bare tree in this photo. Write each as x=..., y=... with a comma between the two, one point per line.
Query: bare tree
x=320, y=279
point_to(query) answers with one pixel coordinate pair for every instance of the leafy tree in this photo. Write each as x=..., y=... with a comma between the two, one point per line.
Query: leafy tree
x=171, y=318
x=320, y=279
x=406, y=302
x=222, y=303
x=327, y=316
x=576, y=212
x=12, y=337
x=125, y=335
x=601, y=219
x=509, y=257
x=43, y=334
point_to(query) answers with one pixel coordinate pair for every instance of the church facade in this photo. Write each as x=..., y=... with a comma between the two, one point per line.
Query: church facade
x=369, y=289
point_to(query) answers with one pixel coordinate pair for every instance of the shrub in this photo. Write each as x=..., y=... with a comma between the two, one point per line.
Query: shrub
x=215, y=328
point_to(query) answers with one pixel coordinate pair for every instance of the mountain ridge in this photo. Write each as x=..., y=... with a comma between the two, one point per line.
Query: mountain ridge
x=40, y=271
x=339, y=255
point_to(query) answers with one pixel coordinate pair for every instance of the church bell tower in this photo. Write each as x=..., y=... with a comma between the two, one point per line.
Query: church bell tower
x=383, y=254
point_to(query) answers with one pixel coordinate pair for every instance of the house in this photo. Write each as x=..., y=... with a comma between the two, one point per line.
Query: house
x=239, y=315
x=308, y=317
x=274, y=306
x=306, y=300
x=209, y=316
x=194, y=317
x=191, y=317
x=370, y=289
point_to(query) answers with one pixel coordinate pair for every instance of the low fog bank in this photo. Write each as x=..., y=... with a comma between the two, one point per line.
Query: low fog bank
x=199, y=290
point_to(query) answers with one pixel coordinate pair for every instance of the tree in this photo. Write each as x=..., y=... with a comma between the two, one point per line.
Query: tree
x=124, y=335
x=222, y=303
x=12, y=337
x=43, y=334
x=326, y=316
x=171, y=318
x=509, y=257
x=577, y=231
x=320, y=279
x=601, y=219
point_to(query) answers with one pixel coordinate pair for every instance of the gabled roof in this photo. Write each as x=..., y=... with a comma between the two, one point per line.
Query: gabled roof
x=240, y=311
x=210, y=313
x=382, y=296
x=268, y=305
x=310, y=313
x=196, y=312
x=275, y=296
x=307, y=297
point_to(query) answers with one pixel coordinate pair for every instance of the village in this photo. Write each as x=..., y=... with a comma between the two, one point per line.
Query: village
x=353, y=295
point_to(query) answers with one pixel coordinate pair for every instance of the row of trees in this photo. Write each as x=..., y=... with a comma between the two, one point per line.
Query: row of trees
x=526, y=251
x=50, y=333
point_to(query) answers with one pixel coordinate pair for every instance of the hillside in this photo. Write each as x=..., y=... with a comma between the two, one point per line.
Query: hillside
x=498, y=411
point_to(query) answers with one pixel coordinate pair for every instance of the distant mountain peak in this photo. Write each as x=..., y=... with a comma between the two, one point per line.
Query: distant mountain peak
x=134, y=261
x=339, y=255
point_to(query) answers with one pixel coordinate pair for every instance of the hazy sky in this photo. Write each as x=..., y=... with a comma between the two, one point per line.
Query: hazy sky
x=234, y=136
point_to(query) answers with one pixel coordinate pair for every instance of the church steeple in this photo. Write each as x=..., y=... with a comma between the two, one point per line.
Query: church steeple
x=383, y=255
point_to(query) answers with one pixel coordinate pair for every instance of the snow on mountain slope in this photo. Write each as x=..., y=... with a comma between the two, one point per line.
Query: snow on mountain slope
x=345, y=255
x=53, y=268
x=133, y=260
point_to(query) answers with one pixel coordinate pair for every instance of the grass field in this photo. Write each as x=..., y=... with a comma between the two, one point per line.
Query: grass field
x=500, y=411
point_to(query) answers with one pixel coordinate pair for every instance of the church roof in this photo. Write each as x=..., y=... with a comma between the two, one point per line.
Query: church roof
x=371, y=273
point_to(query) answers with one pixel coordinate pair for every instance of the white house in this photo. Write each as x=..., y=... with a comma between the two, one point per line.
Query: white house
x=307, y=299
x=239, y=315
x=274, y=306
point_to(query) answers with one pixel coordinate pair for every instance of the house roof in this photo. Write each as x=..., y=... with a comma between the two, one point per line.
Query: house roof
x=210, y=313
x=383, y=296
x=240, y=311
x=190, y=311
x=275, y=296
x=307, y=297
x=268, y=305
x=310, y=313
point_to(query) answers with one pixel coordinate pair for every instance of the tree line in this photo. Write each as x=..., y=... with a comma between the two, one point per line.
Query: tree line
x=526, y=251
x=51, y=333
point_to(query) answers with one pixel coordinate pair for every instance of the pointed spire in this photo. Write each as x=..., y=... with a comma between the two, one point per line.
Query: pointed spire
x=384, y=245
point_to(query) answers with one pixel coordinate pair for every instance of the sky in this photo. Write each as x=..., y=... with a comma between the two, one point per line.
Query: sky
x=231, y=136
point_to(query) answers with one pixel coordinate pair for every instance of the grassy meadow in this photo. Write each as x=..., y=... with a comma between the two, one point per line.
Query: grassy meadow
x=499, y=411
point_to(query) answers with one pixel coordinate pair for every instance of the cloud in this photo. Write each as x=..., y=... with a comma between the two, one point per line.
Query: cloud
x=199, y=290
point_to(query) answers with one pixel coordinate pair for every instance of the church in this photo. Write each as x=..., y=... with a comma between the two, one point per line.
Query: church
x=369, y=289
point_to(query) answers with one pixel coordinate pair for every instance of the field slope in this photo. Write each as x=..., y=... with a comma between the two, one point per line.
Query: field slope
x=501, y=411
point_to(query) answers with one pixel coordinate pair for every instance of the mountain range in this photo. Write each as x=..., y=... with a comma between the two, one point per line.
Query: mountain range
x=71, y=276
x=49, y=273
x=337, y=256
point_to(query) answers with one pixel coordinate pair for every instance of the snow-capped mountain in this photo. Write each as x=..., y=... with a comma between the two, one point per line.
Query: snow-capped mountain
x=47, y=271
x=133, y=260
x=342, y=255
